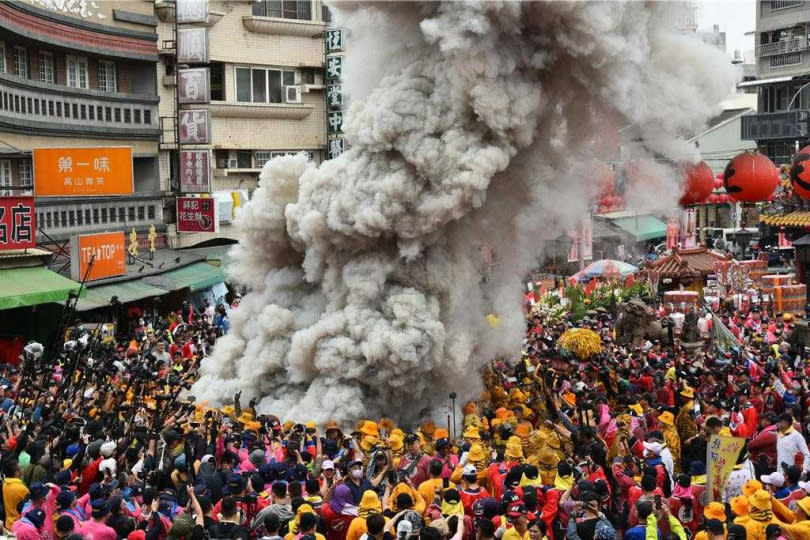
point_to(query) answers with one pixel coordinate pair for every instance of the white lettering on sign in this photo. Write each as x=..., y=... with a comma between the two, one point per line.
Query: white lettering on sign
x=102, y=253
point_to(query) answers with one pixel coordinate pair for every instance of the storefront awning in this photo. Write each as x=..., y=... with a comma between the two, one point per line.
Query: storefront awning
x=642, y=226
x=195, y=277
x=31, y=286
x=793, y=219
x=126, y=291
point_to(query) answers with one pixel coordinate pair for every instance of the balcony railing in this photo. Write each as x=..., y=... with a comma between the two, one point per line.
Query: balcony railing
x=61, y=218
x=29, y=105
x=782, y=47
x=779, y=125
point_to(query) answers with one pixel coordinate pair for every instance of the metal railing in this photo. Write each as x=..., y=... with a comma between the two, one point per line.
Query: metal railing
x=76, y=110
x=782, y=47
x=61, y=218
x=778, y=125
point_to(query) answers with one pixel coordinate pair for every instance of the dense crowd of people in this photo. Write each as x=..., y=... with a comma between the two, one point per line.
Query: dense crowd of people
x=102, y=444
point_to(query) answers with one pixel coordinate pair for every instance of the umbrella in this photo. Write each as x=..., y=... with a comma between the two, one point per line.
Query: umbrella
x=606, y=268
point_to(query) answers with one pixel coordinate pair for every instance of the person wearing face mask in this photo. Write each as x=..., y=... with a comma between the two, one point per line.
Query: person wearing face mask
x=356, y=482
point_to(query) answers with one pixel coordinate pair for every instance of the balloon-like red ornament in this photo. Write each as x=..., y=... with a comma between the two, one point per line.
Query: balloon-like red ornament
x=800, y=173
x=699, y=184
x=750, y=177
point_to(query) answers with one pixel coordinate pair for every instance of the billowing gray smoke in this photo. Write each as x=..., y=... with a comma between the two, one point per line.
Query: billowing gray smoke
x=473, y=126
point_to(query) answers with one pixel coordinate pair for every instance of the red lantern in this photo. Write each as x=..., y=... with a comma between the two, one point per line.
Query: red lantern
x=722, y=198
x=750, y=177
x=699, y=184
x=718, y=183
x=713, y=198
x=800, y=173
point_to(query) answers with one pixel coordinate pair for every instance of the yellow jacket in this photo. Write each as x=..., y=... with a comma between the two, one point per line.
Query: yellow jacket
x=358, y=528
x=14, y=492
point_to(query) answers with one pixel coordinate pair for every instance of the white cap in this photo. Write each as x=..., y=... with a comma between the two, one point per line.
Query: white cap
x=328, y=465
x=775, y=479
x=107, y=465
x=653, y=447
x=107, y=449
x=404, y=528
x=469, y=470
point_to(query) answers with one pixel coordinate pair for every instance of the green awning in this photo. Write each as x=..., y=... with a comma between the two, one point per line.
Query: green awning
x=33, y=285
x=196, y=276
x=126, y=291
x=643, y=226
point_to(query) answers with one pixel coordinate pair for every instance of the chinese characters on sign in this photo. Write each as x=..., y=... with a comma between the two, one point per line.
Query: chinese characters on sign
x=335, y=148
x=195, y=127
x=721, y=456
x=334, y=40
x=65, y=172
x=193, y=85
x=17, y=223
x=106, y=250
x=334, y=95
x=192, y=11
x=335, y=120
x=334, y=67
x=192, y=46
x=197, y=214
x=195, y=171
x=334, y=43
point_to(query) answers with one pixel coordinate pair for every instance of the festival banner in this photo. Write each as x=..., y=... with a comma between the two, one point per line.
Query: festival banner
x=721, y=456
x=71, y=172
x=673, y=228
x=105, y=249
x=197, y=214
x=17, y=223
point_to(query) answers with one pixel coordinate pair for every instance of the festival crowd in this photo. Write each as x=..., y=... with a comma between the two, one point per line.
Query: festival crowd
x=102, y=445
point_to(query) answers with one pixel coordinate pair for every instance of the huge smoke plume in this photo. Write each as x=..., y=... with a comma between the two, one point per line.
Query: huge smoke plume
x=473, y=126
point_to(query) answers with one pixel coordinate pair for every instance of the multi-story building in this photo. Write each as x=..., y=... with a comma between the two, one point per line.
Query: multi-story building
x=783, y=70
x=76, y=74
x=267, y=94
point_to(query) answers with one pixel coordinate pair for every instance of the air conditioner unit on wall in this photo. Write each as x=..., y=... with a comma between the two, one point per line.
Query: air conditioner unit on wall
x=233, y=161
x=292, y=94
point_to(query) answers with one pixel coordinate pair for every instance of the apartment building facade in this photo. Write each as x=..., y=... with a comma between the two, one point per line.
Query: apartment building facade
x=79, y=74
x=783, y=72
x=267, y=95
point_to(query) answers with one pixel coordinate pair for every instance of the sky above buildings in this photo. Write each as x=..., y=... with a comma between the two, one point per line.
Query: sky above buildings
x=735, y=18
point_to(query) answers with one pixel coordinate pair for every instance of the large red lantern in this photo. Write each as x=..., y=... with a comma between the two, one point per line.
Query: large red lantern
x=750, y=177
x=800, y=173
x=699, y=184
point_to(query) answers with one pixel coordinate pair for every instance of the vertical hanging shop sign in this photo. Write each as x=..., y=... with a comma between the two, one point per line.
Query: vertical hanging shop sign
x=334, y=45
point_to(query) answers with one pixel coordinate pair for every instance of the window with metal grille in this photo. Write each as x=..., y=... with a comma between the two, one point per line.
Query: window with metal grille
x=104, y=215
x=80, y=219
x=141, y=213
x=112, y=215
x=121, y=211
x=261, y=157
x=131, y=213
x=107, y=76
x=46, y=71
x=784, y=4
x=150, y=211
x=786, y=59
x=5, y=177
x=2, y=57
x=283, y=9
x=20, y=61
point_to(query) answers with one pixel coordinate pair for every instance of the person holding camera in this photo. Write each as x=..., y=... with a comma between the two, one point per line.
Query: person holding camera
x=415, y=462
